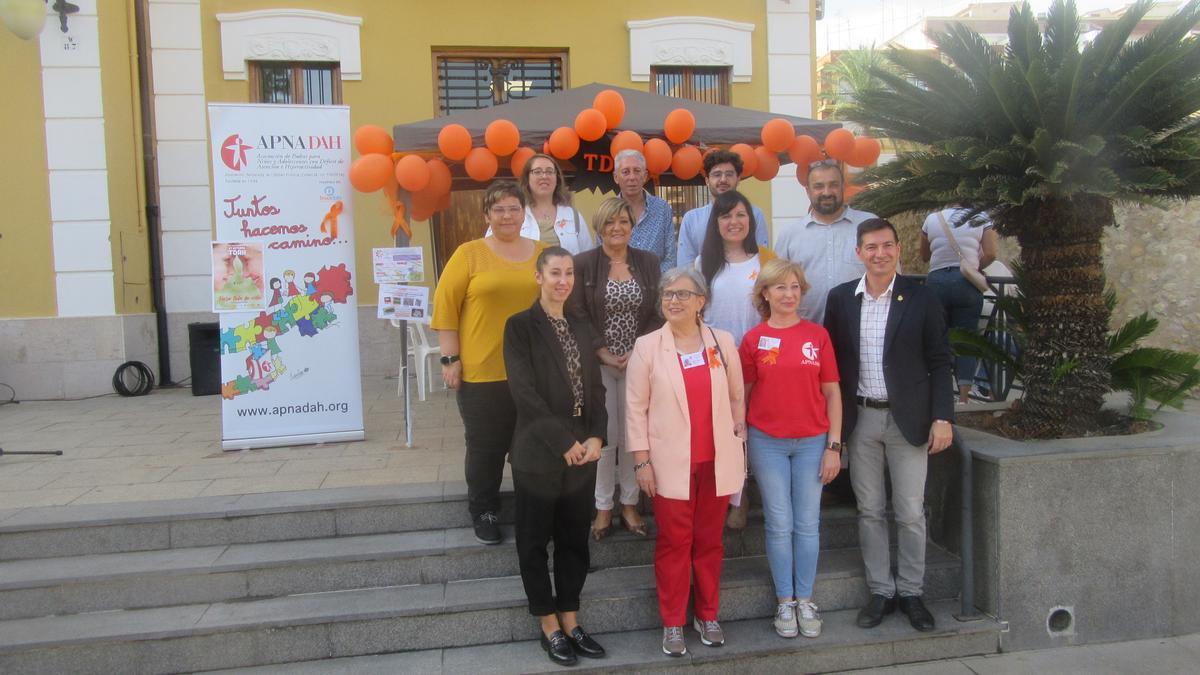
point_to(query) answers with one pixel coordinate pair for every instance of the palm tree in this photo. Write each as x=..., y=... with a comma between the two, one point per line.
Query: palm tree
x=1048, y=135
x=851, y=72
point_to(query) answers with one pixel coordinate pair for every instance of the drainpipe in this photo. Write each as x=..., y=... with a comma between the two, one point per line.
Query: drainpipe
x=150, y=176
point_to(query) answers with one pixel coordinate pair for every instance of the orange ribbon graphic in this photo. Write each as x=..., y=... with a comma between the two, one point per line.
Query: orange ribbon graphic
x=329, y=223
x=714, y=358
x=771, y=357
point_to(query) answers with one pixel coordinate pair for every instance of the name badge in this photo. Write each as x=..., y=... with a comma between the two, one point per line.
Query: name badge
x=768, y=343
x=693, y=360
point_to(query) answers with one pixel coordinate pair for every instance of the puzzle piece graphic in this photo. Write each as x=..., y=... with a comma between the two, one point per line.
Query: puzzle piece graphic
x=228, y=390
x=229, y=341
x=279, y=369
x=258, y=350
x=302, y=306
x=306, y=327
x=322, y=318
x=247, y=334
x=265, y=320
x=335, y=281
x=263, y=384
x=244, y=385
x=284, y=320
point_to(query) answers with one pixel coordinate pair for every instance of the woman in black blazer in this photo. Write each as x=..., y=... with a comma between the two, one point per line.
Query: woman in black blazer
x=554, y=377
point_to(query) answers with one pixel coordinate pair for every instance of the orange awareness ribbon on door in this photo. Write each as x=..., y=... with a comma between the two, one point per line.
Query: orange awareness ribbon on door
x=329, y=223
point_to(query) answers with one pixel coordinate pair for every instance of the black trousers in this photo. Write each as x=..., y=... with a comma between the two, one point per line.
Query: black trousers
x=489, y=417
x=554, y=507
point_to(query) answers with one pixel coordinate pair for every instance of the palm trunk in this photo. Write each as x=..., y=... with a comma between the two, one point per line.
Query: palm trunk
x=1066, y=324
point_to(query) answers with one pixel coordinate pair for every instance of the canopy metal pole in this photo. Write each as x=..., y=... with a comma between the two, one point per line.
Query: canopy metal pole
x=402, y=240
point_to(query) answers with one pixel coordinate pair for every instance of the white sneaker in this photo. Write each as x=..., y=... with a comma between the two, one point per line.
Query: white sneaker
x=785, y=619
x=809, y=620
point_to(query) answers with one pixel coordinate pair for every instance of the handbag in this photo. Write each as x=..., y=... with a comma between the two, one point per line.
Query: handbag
x=969, y=268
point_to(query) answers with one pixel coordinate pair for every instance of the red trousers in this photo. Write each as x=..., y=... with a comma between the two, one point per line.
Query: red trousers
x=689, y=549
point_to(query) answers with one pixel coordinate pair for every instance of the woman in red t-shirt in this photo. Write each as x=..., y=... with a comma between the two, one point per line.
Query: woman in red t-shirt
x=795, y=419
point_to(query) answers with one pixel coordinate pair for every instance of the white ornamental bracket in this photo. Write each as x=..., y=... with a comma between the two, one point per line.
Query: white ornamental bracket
x=690, y=41
x=289, y=35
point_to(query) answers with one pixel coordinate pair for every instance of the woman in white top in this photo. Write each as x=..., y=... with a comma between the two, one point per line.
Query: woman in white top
x=730, y=260
x=961, y=300
x=549, y=216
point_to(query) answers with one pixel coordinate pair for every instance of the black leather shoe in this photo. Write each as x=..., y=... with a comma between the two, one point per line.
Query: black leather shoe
x=918, y=616
x=878, y=606
x=584, y=644
x=558, y=648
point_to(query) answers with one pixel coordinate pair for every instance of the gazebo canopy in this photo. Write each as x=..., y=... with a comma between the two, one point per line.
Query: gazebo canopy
x=536, y=118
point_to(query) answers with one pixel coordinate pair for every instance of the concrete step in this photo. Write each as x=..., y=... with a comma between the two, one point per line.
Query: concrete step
x=750, y=646
x=61, y=531
x=397, y=618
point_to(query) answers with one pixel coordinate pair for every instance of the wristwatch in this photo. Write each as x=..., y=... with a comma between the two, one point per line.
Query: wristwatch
x=447, y=360
x=640, y=465
x=835, y=446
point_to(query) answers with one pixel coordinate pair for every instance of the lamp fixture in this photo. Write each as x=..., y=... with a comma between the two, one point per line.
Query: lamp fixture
x=25, y=18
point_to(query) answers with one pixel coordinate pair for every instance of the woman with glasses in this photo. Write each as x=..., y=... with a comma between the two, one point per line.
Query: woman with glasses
x=617, y=289
x=561, y=421
x=485, y=281
x=730, y=260
x=549, y=215
x=687, y=378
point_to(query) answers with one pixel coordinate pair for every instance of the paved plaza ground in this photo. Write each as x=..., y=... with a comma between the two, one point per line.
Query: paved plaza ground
x=167, y=445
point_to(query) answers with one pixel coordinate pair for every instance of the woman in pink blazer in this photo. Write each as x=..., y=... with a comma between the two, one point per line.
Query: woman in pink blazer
x=685, y=426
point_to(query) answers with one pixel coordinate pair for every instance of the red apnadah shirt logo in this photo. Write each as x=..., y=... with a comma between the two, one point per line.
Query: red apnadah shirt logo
x=233, y=152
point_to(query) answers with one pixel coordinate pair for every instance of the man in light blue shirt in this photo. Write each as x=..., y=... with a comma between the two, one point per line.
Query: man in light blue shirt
x=723, y=169
x=824, y=244
x=653, y=222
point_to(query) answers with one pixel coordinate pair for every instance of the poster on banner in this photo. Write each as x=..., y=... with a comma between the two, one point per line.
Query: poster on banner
x=409, y=303
x=289, y=369
x=404, y=265
x=237, y=276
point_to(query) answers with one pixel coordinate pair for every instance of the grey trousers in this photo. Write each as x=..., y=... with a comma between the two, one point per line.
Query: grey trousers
x=877, y=440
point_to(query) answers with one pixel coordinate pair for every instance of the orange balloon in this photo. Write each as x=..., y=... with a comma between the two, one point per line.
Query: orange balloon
x=371, y=172
x=502, y=137
x=517, y=162
x=866, y=151
x=370, y=139
x=658, y=156
x=590, y=124
x=440, y=179
x=749, y=159
x=563, y=143
x=454, y=141
x=839, y=144
x=768, y=164
x=804, y=150
x=687, y=162
x=481, y=165
x=679, y=125
x=412, y=173
x=802, y=173
x=853, y=189
x=443, y=202
x=626, y=140
x=778, y=134
x=612, y=105
x=424, y=204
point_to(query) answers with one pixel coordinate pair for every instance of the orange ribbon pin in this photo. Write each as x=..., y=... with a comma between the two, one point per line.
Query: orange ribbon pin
x=714, y=358
x=771, y=357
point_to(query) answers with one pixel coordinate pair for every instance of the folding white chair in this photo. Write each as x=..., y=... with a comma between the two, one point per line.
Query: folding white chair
x=421, y=347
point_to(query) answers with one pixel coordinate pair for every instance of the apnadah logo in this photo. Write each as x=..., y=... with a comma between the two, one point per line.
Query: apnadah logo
x=233, y=152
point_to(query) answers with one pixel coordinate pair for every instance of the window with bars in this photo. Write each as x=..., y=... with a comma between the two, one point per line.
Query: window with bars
x=707, y=84
x=469, y=81
x=296, y=82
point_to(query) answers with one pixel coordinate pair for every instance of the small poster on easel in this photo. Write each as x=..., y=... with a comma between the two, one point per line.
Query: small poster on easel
x=408, y=303
x=404, y=265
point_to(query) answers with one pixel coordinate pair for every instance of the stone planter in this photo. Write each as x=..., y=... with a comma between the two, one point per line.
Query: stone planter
x=1082, y=540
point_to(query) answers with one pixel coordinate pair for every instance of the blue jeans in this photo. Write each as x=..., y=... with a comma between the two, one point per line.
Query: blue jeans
x=788, y=472
x=963, y=304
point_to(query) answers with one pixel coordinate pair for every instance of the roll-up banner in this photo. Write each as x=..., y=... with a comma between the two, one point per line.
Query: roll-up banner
x=284, y=223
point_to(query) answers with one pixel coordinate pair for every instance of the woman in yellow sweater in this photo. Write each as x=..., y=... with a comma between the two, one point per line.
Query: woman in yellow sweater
x=485, y=281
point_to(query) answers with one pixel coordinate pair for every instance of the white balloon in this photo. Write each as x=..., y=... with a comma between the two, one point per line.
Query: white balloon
x=24, y=18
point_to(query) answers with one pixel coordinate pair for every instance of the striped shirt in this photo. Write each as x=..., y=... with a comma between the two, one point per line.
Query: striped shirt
x=872, y=327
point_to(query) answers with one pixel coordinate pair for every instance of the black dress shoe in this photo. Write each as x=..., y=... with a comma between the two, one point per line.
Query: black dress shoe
x=878, y=606
x=559, y=649
x=584, y=644
x=918, y=616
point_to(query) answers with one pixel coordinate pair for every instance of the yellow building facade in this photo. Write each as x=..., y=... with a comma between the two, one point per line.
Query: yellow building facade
x=109, y=194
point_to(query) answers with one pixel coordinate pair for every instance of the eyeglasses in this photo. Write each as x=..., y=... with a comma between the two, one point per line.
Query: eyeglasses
x=723, y=174
x=500, y=210
x=682, y=296
x=542, y=172
x=822, y=162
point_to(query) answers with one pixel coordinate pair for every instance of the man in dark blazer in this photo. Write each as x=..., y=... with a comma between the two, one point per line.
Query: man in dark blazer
x=889, y=337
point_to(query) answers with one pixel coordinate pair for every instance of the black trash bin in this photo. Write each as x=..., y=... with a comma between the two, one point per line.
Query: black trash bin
x=204, y=340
